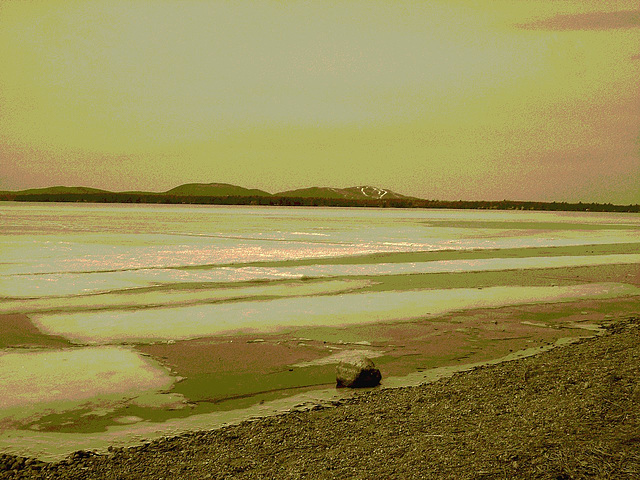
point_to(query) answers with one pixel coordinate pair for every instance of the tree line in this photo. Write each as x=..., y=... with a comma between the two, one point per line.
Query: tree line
x=116, y=197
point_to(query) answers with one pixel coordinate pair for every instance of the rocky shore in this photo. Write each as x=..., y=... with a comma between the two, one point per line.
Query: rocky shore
x=573, y=412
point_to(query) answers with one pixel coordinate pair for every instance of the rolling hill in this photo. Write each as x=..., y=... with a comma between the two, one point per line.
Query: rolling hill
x=60, y=190
x=364, y=192
x=215, y=190
x=226, y=194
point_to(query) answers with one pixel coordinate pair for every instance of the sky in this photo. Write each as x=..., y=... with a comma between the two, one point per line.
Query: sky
x=440, y=99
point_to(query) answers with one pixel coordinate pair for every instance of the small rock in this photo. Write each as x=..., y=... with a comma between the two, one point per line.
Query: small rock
x=357, y=372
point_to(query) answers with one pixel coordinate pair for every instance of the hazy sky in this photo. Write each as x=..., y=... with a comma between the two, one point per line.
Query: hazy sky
x=466, y=99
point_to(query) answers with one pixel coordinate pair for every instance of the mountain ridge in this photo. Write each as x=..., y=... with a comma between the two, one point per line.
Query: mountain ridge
x=362, y=192
x=59, y=189
x=227, y=194
x=215, y=190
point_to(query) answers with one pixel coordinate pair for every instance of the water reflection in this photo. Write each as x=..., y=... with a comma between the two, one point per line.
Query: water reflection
x=266, y=316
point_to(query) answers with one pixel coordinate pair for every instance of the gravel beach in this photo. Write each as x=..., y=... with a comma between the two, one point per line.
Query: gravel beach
x=573, y=412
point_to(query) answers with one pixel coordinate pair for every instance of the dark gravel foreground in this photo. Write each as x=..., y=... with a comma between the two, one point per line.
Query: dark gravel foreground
x=573, y=412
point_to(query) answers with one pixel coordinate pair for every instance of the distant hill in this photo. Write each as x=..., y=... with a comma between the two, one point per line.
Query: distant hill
x=60, y=190
x=372, y=192
x=226, y=194
x=364, y=192
x=215, y=190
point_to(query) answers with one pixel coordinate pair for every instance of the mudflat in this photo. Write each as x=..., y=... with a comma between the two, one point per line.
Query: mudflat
x=572, y=412
x=226, y=378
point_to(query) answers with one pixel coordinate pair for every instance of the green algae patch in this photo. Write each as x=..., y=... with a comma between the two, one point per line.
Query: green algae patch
x=18, y=330
x=437, y=255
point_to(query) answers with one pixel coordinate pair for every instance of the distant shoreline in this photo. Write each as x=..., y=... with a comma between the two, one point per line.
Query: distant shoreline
x=156, y=198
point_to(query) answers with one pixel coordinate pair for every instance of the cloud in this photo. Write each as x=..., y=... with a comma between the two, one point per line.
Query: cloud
x=587, y=21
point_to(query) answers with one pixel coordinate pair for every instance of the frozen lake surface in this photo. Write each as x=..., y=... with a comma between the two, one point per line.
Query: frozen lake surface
x=140, y=299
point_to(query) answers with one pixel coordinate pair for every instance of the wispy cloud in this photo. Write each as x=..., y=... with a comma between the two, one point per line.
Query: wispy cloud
x=587, y=21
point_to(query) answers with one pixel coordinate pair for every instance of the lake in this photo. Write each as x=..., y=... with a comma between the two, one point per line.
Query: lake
x=126, y=322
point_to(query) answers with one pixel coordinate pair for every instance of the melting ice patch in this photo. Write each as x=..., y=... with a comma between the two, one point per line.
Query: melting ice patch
x=62, y=380
x=84, y=283
x=265, y=316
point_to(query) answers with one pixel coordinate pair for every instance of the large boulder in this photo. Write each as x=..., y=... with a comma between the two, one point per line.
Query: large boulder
x=356, y=372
